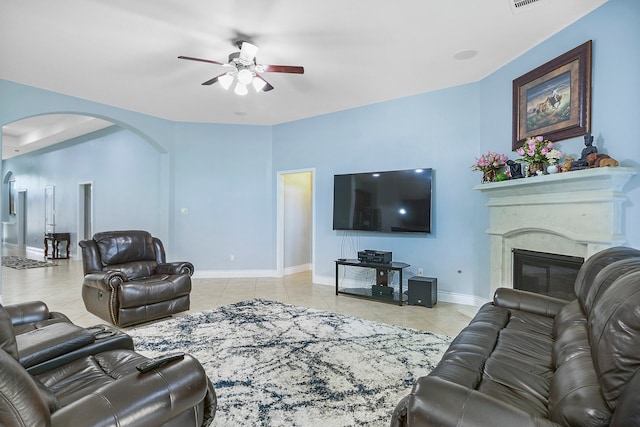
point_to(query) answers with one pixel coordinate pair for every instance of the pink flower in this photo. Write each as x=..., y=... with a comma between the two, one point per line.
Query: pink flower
x=539, y=138
x=520, y=151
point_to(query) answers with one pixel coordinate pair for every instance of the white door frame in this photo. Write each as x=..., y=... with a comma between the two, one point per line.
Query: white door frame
x=280, y=220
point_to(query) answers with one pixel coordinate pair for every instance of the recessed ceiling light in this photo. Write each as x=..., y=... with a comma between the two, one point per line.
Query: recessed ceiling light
x=465, y=54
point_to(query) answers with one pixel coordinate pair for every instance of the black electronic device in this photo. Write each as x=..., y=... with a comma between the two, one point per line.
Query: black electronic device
x=391, y=201
x=423, y=291
x=373, y=256
x=382, y=291
x=159, y=361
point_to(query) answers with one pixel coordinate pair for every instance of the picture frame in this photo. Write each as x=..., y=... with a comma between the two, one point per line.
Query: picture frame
x=554, y=100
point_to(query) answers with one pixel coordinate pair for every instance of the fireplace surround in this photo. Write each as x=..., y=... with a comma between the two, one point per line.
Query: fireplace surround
x=575, y=213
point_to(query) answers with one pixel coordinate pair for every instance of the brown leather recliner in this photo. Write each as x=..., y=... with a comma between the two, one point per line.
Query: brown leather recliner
x=128, y=281
x=104, y=388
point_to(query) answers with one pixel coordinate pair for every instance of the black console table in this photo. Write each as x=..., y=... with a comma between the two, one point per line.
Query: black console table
x=55, y=239
x=382, y=274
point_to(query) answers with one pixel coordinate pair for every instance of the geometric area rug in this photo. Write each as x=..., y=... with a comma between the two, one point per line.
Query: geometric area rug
x=20, y=263
x=275, y=364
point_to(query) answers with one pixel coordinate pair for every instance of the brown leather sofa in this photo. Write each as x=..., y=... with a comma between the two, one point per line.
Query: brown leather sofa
x=84, y=385
x=531, y=360
x=128, y=281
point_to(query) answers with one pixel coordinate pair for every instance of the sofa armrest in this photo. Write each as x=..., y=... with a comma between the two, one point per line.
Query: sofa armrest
x=139, y=399
x=105, y=280
x=435, y=401
x=40, y=345
x=30, y=312
x=528, y=301
x=180, y=267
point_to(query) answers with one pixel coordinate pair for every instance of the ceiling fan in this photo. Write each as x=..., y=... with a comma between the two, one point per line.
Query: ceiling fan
x=244, y=70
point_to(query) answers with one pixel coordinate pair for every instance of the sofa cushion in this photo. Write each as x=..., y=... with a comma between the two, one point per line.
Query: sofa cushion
x=590, y=269
x=153, y=289
x=119, y=247
x=614, y=327
x=21, y=402
x=570, y=314
x=85, y=375
x=575, y=398
x=135, y=270
x=606, y=277
x=40, y=345
x=7, y=336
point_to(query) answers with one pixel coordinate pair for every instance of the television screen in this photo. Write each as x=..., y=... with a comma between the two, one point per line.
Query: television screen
x=391, y=201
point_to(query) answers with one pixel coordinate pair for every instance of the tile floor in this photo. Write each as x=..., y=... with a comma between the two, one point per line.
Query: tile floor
x=60, y=288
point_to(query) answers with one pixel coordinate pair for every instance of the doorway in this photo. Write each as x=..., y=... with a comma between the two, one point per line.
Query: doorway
x=85, y=211
x=295, y=222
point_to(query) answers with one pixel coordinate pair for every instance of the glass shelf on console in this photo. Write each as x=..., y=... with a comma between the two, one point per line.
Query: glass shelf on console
x=371, y=280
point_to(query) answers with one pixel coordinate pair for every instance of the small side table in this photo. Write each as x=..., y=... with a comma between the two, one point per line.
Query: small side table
x=55, y=239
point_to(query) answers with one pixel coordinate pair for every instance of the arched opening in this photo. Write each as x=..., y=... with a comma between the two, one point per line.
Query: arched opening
x=104, y=173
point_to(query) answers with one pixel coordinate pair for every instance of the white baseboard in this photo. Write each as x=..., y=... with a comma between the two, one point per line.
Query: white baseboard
x=296, y=269
x=233, y=274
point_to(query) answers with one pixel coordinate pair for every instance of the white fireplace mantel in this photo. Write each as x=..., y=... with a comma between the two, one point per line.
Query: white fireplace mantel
x=574, y=213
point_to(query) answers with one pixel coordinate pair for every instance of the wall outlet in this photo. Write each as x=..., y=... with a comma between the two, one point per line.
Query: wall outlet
x=232, y=257
x=420, y=272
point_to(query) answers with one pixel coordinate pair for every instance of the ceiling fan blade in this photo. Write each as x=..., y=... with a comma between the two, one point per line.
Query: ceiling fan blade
x=267, y=86
x=201, y=60
x=213, y=80
x=248, y=51
x=283, y=69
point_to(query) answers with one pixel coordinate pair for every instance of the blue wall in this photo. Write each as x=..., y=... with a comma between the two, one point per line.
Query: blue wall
x=226, y=175
x=111, y=160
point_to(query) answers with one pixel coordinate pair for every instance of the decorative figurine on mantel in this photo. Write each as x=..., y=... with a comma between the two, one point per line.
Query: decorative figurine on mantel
x=515, y=169
x=601, y=160
x=582, y=162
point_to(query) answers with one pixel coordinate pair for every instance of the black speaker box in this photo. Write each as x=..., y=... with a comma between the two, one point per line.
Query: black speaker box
x=423, y=291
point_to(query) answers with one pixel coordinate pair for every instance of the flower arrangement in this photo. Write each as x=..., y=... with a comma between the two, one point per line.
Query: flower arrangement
x=553, y=156
x=489, y=161
x=535, y=150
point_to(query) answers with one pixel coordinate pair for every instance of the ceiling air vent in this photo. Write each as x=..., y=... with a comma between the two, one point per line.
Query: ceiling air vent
x=518, y=6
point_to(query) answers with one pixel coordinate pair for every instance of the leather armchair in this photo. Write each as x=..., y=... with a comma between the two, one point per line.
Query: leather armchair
x=128, y=281
x=95, y=387
x=106, y=390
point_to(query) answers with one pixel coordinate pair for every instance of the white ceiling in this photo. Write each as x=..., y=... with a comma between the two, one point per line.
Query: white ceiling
x=123, y=53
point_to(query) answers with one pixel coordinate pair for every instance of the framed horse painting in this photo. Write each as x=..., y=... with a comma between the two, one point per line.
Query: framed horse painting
x=554, y=100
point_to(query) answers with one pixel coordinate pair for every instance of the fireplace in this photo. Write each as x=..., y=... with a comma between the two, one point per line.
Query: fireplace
x=545, y=273
x=576, y=214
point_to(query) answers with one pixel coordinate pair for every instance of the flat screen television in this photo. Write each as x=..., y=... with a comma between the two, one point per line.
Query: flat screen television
x=391, y=201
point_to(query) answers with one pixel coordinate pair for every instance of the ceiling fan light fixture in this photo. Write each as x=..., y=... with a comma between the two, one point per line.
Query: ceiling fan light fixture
x=248, y=51
x=258, y=84
x=225, y=81
x=241, y=89
x=245, y=76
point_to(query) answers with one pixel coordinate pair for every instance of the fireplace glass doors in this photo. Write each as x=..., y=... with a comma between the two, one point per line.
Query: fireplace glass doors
x=545, y=273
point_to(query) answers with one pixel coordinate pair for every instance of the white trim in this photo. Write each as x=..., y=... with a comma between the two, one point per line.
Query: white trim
x=280, y=270
x=233, y=274
x=297, y=269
